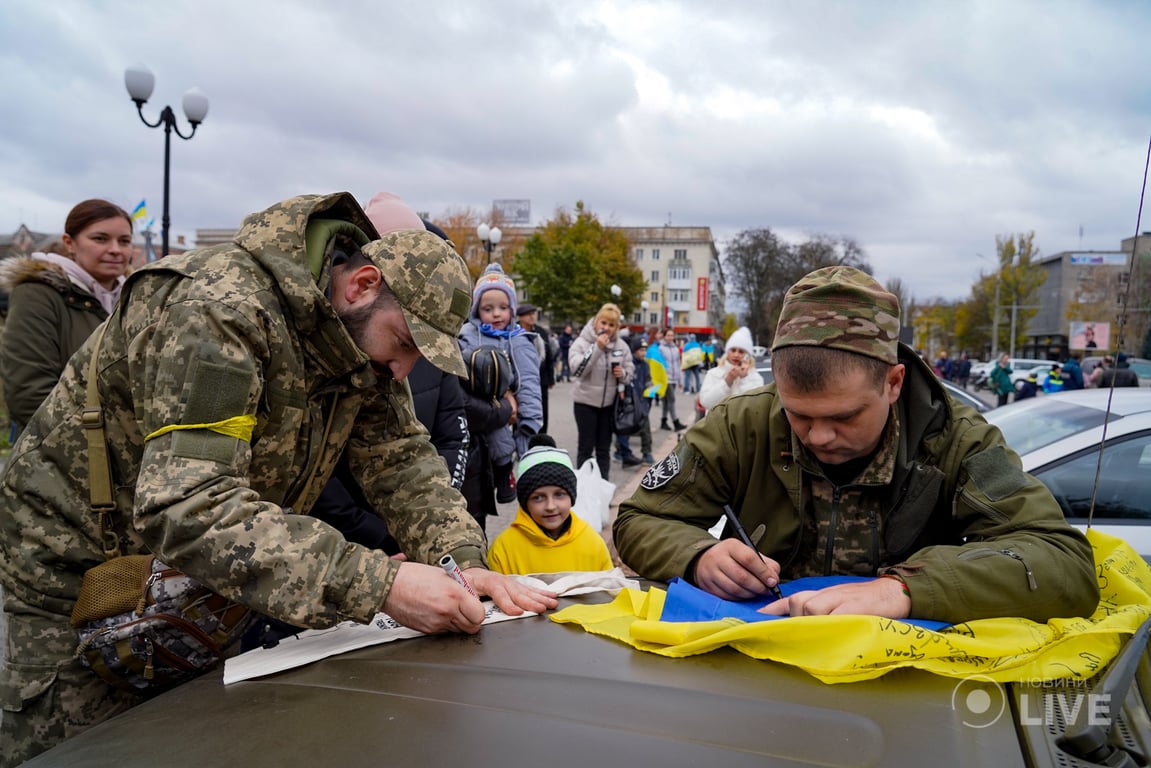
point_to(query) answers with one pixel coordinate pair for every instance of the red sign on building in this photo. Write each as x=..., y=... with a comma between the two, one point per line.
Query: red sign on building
x=701, y=294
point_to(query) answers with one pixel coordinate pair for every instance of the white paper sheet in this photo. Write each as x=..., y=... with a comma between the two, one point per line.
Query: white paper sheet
x=315, y=644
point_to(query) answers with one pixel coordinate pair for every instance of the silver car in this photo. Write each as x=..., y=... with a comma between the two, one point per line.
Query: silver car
x=1062, y=440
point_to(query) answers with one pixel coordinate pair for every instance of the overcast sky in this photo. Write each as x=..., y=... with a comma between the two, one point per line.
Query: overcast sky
x=921, y=129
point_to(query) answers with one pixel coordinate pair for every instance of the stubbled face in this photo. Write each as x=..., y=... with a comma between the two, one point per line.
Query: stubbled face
x=494, y=309
x=103, y=249
x=549, y=506
x=383, y=335
x=845, y=420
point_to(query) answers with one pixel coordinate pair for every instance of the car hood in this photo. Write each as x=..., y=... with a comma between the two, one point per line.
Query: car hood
x=530, y=691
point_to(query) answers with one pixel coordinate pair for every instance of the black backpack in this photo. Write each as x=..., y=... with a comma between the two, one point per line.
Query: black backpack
x=489, y=372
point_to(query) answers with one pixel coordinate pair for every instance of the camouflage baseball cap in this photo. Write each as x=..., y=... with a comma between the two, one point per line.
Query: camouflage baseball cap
x=433, y=287
x=841, y=308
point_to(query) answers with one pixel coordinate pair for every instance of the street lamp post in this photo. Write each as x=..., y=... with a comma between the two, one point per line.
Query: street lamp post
x=140, y=81
x=489, y=238
x=995, y=316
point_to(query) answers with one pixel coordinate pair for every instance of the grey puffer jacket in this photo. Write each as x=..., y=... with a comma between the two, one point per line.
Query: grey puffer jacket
x=591, y=367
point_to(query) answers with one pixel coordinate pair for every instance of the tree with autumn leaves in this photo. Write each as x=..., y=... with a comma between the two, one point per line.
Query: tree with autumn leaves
x=569, y=265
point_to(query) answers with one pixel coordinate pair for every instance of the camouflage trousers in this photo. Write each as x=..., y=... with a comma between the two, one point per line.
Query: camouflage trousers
x=46, y=695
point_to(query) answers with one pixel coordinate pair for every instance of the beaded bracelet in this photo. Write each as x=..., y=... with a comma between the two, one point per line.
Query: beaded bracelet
x=898, y=578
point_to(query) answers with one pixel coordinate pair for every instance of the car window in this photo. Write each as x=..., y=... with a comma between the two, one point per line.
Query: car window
x=1028, y=429
x=1124, y=477
x=1142, y=370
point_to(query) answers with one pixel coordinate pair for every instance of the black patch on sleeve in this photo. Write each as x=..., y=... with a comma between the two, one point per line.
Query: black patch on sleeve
x=995, y=474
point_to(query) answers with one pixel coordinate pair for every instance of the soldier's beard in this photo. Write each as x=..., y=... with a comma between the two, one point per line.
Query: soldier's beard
x=356, y=323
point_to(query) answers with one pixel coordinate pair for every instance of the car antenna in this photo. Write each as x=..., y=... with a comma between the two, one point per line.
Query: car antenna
x=1131, y=265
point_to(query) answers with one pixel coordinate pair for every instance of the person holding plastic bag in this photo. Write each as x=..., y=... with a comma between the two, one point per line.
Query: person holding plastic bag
x=601, y=365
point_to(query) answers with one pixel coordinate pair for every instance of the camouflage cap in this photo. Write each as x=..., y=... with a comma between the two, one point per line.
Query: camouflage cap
x=841, y=308
x=432, y=284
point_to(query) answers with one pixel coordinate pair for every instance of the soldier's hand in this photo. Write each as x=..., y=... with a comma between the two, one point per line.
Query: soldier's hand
x=734, y=571
x=881, y=597
x=425, y=598
x=510, y=596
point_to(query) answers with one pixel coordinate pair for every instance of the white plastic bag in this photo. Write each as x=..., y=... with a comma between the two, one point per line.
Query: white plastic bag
x=593, y=495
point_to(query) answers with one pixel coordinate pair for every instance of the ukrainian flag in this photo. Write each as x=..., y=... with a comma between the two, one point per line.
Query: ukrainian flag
x=658, y=367
x=140, y=211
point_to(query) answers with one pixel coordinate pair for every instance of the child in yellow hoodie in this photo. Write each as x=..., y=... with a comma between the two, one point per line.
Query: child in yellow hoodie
x=545, y=536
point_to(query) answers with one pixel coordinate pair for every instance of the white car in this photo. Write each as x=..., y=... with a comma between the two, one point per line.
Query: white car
x=1021, y=368
x=1058, y=438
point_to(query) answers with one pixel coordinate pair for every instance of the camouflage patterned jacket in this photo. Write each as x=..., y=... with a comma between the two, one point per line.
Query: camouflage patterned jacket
x=234, y=330
x=944, y=503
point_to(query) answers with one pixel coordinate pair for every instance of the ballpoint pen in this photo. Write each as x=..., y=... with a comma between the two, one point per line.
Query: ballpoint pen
x=733, y=521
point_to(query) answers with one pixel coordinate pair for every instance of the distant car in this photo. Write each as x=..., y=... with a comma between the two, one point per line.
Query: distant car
x=764, y=368
x=1140, y=365
x=1058, y=438
x=759, y=352
x=1021, y=368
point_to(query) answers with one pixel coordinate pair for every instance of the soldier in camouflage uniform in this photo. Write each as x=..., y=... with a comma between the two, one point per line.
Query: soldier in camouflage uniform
x=856, y=462
x=232, y=380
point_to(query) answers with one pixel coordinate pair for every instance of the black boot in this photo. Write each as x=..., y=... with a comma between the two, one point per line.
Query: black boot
x=679, y=427
x=663, y=425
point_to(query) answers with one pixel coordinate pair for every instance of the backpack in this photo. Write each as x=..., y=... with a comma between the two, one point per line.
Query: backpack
x=490, y=373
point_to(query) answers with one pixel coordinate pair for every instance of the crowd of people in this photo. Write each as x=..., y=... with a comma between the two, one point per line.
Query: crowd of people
x=309, y=420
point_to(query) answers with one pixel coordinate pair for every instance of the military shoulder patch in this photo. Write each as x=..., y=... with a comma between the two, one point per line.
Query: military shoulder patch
x=660, y=474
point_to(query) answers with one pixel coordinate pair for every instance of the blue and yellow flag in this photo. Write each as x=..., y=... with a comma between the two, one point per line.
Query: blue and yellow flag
x=845, y=648
x=658, y=368
x=141, y=210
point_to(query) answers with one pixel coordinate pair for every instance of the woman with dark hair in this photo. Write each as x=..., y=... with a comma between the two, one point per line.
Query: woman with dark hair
x=56, y=301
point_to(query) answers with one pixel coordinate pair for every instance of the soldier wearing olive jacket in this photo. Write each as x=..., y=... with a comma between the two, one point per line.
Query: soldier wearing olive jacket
x=856, y=462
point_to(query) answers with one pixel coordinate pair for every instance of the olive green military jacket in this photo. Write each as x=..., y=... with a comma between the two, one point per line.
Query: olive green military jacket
x=945, y=504
x=239, y=330
x=49, y=317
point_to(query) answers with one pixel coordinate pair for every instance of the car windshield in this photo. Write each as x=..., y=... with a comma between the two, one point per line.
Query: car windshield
x=1028, y=429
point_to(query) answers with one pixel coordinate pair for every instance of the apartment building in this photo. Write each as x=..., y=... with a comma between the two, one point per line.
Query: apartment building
x=685, y=288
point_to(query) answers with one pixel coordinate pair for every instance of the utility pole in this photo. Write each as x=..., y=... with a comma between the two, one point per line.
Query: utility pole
x=995, y=323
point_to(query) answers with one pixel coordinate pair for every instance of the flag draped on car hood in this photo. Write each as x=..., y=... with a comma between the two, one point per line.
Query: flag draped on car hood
x=840, y=649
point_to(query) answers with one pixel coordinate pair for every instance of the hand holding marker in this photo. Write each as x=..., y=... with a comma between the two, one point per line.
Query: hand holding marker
x=737, y=526
x=448, y=563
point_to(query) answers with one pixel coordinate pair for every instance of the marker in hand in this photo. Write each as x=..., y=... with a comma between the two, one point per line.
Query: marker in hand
x=448, y=563
x=737, y=526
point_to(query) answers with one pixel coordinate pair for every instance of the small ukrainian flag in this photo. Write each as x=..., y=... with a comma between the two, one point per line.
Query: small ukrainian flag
x=141, y=210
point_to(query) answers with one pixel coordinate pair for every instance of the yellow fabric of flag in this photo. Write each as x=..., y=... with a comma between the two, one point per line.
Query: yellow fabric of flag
x=840, y=649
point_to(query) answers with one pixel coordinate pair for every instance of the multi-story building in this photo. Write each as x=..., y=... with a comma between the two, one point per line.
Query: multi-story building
x=685, y=287
x=1081, y=287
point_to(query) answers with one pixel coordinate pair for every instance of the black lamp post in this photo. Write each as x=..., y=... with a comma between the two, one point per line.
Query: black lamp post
x=489, y=238
x=140, y=81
